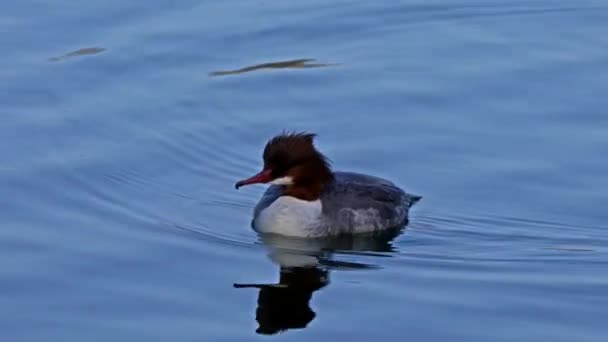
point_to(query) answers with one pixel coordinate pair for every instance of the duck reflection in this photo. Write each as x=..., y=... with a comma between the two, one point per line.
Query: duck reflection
x=304, y=267
x=286, y=305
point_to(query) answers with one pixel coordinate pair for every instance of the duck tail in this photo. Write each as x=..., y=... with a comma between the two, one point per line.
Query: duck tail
x=414, y=199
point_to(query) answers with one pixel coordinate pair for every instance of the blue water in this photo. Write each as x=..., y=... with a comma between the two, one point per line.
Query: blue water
x=118, y=216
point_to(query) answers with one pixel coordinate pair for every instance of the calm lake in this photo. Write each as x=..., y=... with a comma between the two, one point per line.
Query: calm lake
x=125, y=125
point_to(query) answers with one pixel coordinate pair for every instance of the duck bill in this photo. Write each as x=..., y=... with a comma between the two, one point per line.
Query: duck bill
x=263, y=177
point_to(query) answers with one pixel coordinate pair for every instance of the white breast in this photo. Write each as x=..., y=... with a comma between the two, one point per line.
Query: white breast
x=289, y=216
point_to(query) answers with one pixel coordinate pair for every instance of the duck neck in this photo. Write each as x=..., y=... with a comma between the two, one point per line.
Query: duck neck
x=310, y=180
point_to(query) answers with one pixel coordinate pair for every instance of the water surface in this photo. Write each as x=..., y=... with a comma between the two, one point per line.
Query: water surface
x=118, y=216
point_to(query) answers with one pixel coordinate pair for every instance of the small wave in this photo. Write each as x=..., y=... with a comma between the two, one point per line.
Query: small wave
x=397, y=17
x=207, y=152
x=496, y=238
x=205, y=233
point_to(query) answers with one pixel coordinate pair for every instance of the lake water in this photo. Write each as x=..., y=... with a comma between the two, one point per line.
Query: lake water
x=124, y=126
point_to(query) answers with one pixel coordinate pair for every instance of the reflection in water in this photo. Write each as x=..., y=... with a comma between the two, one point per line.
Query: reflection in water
x=304, y=266
x=79, y=52
x=286, y=305
x=294, y=64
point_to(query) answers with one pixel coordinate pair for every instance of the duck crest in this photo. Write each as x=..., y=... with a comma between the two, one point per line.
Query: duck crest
x=295, y=155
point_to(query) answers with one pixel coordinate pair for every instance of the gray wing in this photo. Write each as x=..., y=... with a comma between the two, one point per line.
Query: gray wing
x=356, y=191
x=352, y=192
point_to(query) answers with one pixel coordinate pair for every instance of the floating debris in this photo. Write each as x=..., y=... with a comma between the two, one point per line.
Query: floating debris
x=79, y=52
x=295, y=64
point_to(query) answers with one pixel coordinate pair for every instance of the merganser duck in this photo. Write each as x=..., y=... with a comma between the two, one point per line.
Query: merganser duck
x=307, y=199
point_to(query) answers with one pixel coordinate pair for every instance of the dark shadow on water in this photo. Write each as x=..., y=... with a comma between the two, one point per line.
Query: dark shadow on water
x=78, y=53
x=291, y=64
x=304, y=268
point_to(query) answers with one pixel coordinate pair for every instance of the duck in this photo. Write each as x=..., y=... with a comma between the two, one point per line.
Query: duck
x=307, y=199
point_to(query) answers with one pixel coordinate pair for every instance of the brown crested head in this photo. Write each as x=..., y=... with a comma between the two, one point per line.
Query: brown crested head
x=291, y=159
